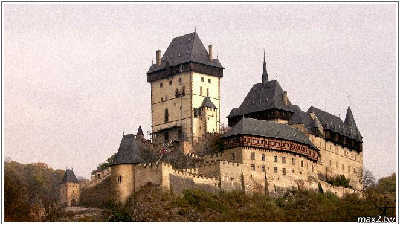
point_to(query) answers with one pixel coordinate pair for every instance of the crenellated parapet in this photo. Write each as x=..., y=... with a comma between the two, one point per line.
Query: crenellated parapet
x=216, y=156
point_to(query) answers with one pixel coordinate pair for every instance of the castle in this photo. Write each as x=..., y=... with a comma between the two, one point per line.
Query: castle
x=272, y=145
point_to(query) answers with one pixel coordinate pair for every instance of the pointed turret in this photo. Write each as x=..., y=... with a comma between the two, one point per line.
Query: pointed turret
x=349, y=121
x=140, y=131
x=351, y=125
x=265, y=73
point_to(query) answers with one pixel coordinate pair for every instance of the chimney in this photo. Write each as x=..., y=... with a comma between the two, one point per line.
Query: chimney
x=285, y=99
x=210, y=55
x=158, y=57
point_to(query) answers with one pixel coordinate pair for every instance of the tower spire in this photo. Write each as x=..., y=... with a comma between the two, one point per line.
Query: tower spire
x=265, y=73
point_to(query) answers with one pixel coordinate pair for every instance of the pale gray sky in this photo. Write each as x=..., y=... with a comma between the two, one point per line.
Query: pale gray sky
x=74, y=75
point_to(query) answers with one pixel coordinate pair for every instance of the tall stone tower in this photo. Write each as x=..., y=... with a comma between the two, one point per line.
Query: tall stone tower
x=69, y=189
x=185, y=92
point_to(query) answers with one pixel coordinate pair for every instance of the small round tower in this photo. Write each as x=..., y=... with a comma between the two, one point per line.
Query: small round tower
x=122, y=168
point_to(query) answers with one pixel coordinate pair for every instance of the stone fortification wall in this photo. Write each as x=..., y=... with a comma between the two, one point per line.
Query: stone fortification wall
x=180, y=181
x=97, y=194
x=147, y=173
x=97, y=178
x=339, y=191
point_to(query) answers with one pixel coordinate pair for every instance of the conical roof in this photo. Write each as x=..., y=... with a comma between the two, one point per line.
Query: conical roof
x=208, y=103
x=128, y=152
x=351, y=125
x=69, y=177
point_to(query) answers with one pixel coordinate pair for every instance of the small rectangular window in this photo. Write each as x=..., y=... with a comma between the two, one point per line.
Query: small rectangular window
x=275, y=169
x=161, y=85
x=201, y=91
x=253, y=156
x=180, y=80
x=284, y=171
x=162, y=99
x=284, y=160
x=202, y=79
x=170, y=82
x=275, y=158
x=209, y=80
x=301, y=163
x=263, y=157
x=293, y=161
x=253, y=167
x=263, y=168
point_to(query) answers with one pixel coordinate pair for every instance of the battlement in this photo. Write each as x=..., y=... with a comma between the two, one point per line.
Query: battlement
x=217, y=156
x=216, y=162
x=155, y=164
x=187, y=174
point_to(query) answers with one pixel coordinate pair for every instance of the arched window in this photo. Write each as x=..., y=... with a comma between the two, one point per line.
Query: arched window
x=183, y=91
x=166, y=115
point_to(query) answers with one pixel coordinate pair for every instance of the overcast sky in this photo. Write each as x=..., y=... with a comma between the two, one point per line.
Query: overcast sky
x=74, y=75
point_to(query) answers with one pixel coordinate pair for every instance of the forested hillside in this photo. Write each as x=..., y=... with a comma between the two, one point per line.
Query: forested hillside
x=29, y=189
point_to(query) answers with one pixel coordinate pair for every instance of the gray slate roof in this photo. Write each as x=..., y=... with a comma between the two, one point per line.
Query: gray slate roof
x=69, y=177
x=301, y=117
x=184, y=49
x=128, y=152
x=208, y=103
x=269, y=129
x=335, y=124
x=263, y=97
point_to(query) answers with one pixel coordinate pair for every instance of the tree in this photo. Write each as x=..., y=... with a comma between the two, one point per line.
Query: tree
x=366, y=178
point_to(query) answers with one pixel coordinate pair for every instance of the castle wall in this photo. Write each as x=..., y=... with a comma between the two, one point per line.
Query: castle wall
x=97, y=193
x=338, y=160
x=180, y=181
x=147, y=173
x=69, y=194
x=268, y=170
